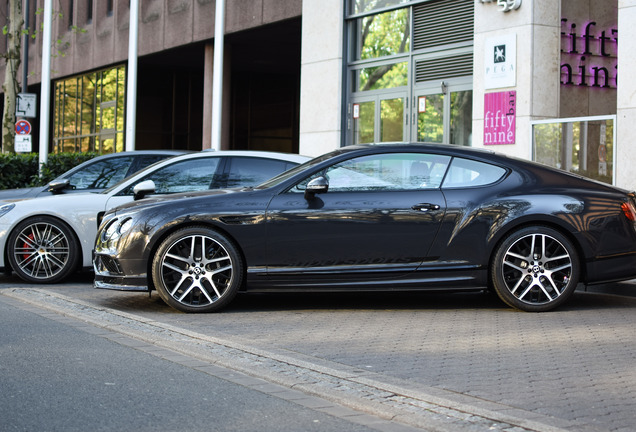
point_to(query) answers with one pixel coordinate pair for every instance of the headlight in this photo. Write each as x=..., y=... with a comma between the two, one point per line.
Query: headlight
x=6, y=209
x=116, y=228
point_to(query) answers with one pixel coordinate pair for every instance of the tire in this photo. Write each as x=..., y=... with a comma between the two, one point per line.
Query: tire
x=43, y=249
x=190, y=281
x=535, y=269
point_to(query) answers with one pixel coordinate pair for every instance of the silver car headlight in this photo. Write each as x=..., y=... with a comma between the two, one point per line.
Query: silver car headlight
x=116, y=229
x=6, y=209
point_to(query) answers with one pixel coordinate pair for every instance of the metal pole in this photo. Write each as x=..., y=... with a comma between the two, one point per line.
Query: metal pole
x=25, y=59
x=217, y=75
x=45, y=93
x=131, y=89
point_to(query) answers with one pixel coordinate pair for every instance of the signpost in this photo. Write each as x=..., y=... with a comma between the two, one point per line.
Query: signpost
x=23, y=136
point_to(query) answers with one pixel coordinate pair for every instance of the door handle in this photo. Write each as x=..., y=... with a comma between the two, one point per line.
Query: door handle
x=424, y=207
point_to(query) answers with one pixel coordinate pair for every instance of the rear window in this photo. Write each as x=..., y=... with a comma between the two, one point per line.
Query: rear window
x=470, y=173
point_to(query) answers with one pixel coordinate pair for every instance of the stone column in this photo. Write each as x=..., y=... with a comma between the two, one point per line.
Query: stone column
x=537, y=26
x=321, y=76
x=626, y=97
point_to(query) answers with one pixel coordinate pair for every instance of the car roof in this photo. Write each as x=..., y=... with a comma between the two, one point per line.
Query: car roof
x=290, y=157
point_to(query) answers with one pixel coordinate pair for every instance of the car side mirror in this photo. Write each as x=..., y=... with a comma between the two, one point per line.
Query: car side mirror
x=316, y=186
x=58, y=186
x=143, y=188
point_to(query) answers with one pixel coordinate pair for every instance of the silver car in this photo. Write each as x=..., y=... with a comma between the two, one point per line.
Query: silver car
x=46, y=239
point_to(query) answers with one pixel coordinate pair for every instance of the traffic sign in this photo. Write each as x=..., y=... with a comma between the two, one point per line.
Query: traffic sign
x=25, y=107
x=23, y=127
x=23, y=144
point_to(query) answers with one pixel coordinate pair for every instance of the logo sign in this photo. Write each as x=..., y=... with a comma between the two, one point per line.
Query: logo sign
x=22, y=127
x=500, y=117
x=501, y=62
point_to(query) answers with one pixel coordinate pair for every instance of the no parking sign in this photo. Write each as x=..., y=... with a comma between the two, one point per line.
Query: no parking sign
x=22, y=127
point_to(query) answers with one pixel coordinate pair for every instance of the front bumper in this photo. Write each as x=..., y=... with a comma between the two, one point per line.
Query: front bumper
x=111, y=274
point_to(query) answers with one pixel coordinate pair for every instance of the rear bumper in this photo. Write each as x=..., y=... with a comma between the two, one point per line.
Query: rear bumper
x=611, y=269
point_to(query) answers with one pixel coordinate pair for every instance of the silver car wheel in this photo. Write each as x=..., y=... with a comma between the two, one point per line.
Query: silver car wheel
x=535, y=269
x=197, y=270
x=42, y=250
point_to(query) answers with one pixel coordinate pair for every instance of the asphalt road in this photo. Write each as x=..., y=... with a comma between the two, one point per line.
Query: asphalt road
x=59, y=374
x=432, y=361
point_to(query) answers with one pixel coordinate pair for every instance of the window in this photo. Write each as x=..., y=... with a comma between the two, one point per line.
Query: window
x=584, y=146
x=386, y=172
x=469, y=173
x=89, y=112
x=102, y=174
x=89, y=11
x=185, y=176
x=249, y=171
x=69, y=18
x=383, y=34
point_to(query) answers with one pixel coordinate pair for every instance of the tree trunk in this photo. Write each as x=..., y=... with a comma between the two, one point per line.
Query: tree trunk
x=11, y=85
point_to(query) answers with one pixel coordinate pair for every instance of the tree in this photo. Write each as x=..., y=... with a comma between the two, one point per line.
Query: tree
x=13, y=32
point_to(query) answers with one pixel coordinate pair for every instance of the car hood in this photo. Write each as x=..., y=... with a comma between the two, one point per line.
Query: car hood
x=8, y=194
x=153, y=201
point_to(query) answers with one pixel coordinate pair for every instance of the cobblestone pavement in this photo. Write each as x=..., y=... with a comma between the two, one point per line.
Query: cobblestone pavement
x=571, y=369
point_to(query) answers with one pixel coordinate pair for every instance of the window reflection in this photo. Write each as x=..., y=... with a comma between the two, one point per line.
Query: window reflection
x=383, y=34
x=102, y=174
x=382, y=77
x=461, y=118
x=430, y=118
x=186, y=176
x=89, y=112
x=385, y=172
x=582, y=147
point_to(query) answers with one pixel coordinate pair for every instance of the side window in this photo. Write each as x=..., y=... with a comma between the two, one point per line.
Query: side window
x=250, y=171
x=468, y=173
x=393, y=171
x=101, y=174
x=185, y=176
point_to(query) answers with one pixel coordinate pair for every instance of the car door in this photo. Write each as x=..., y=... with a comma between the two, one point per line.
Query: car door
x=378, y=219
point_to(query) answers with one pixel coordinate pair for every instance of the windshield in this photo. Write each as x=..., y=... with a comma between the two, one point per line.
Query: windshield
x=290, y=173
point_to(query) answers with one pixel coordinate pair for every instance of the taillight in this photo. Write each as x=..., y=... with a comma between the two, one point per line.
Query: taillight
x=629, y=211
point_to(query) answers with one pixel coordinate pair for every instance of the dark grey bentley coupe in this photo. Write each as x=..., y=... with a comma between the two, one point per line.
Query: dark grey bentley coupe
x=378, y=217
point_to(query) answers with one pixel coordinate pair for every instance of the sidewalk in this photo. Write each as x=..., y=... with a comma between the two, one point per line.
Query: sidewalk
x=570, y=369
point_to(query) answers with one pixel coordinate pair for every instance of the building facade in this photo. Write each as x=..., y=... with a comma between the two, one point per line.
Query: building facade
x=536, y=79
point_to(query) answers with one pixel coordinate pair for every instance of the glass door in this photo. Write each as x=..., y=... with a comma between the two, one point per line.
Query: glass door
x=379, y=118
x=442, y=114
x=429, y=118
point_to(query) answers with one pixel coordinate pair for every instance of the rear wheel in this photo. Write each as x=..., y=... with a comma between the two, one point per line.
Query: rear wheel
x=43, y=250
x=535, y=269
x=197, y=269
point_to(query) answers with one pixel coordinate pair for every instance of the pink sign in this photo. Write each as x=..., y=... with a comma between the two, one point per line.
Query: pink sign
x=500, y=117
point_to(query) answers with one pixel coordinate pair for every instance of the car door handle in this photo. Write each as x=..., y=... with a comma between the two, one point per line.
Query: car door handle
x=424, y=207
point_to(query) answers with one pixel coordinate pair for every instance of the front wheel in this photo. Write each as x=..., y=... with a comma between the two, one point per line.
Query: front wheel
x=43, y=250
x=535, y=269
x=197, y=269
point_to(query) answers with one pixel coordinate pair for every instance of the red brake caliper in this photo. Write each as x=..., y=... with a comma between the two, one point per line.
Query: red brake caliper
x=27, y=246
